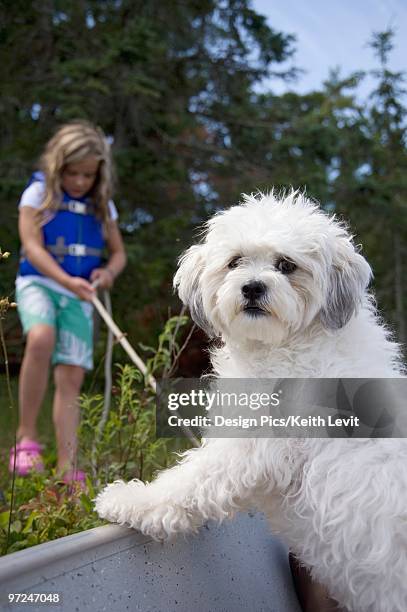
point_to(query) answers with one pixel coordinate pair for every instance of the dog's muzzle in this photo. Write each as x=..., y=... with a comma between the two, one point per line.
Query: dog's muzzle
x=254, y=292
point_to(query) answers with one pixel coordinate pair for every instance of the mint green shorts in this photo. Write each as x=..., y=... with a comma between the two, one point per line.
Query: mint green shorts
x=71, y=317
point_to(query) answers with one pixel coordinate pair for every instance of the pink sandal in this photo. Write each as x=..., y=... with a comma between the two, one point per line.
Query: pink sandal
x=75, y=479
x=28, y=457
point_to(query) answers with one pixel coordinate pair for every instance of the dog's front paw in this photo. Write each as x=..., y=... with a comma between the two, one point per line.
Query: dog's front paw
x=118, y=501
x=166, y=520
x=141, y=507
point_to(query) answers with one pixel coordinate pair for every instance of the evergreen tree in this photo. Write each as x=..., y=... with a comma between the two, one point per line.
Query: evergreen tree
x=372, y=184
x=389, y=179
x=176, y=87
x=154, y=75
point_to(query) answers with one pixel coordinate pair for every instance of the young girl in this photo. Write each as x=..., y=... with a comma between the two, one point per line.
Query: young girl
x=66, y=217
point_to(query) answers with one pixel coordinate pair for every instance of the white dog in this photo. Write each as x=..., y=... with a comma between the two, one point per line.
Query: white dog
x=283, y=285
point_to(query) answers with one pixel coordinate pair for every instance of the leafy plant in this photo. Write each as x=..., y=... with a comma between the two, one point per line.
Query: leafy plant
x=40, y=508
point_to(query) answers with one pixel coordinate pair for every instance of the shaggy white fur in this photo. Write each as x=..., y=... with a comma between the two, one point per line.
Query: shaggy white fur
x=285, y=288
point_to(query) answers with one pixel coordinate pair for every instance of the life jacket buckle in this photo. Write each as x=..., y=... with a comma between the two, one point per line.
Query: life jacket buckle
x=77, y=207
x=77, y=250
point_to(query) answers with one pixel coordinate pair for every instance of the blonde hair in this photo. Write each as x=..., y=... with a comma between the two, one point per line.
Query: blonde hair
x=72, y=143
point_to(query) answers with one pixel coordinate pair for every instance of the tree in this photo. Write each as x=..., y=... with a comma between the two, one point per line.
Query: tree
x=372, y=183
x=164, y=80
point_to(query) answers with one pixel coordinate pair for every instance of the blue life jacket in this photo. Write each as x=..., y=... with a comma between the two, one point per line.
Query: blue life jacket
x=73, y=236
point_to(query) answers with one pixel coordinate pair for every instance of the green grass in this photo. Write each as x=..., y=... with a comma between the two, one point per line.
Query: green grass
x=8, y=420
x=39, y=508
x=42, y=507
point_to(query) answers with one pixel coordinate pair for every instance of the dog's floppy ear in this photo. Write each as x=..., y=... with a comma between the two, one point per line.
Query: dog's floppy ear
x=348, y=280
x=187, y=282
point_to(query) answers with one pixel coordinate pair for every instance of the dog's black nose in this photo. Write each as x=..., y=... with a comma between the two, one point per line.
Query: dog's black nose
x=254, y=290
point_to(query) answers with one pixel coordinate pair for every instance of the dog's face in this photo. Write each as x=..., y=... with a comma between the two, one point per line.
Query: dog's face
x=268, y=268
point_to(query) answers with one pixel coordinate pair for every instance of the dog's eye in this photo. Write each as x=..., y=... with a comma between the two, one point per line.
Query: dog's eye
x=233, y=263
x=286, y=266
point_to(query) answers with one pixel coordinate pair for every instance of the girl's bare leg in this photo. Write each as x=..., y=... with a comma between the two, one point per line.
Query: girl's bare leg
x=68, y=382
x=33, y=378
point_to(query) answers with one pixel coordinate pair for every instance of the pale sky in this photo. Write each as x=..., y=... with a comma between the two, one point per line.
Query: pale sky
x=334, y=33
